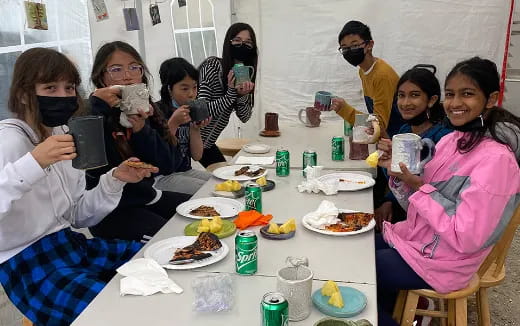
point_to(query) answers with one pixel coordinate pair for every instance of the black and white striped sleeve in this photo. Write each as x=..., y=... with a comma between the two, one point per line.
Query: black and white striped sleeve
x=210, y=87
x=244, y=109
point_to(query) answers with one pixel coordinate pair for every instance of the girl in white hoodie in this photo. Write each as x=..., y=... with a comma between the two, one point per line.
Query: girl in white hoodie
x=49, y=272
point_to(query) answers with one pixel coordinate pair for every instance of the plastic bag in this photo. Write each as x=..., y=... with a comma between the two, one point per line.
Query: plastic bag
x=213, y=293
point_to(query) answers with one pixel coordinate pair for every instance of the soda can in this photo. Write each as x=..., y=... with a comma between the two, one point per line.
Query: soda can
x=282, y=163
x=246, y=246
x=310, y=158
x=254, y=197
x=347, y=128
x=274, y=310
x=338, y=148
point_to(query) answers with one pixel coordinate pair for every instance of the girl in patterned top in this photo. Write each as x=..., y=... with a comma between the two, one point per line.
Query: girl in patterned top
x=179, y=86
x=217, y=86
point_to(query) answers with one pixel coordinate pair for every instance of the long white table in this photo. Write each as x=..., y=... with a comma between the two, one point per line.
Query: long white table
x=297, y=138
x=109, y=309
x=348, y=260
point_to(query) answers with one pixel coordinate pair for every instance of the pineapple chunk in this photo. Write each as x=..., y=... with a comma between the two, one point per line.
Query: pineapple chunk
x=201, y=228
x=204, y=222
x=217, y=220
x=372, y=159
x=214, y=226
x=329, y=288
x=336, y=300
x=288, y=226
x=236, y=186
x=273, y=228
x=261, y=181
x=220, y=187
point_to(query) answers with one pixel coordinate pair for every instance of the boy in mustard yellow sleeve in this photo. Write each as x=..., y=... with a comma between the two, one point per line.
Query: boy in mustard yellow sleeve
x=378, y=78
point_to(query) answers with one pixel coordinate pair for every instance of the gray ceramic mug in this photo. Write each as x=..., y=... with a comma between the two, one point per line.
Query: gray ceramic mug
x=89, y=140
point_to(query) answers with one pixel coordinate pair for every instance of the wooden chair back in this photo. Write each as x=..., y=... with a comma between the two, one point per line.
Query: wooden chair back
x=499, y=252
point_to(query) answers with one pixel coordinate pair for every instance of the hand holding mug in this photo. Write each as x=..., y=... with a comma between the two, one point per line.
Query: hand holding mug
x=130, y=174
x=111, y=95
x=413, y=181
x=385, y=159
x=245, y=88
x=138, y=120
x=54, y=149
x=231, y=79
x=179, y=117
x=336, y=103
x=201, y=124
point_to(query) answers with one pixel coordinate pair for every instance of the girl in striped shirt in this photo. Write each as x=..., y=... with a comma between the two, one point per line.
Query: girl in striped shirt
x=217, y=86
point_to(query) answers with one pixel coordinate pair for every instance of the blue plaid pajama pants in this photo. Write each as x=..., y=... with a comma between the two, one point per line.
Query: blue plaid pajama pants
x=54, y=279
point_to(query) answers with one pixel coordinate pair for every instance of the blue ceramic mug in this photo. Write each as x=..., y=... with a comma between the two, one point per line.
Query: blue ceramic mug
x=322, y=100
x=243, y=73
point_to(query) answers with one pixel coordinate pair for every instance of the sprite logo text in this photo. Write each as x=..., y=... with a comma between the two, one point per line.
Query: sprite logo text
x=251, y=200
x=245, y=257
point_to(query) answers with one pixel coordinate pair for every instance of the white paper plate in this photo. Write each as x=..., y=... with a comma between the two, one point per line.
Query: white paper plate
x=353, y=181
x=228, y=173
x=225, y=206
x=162, y=251
x=256, y=148
x=369, y=227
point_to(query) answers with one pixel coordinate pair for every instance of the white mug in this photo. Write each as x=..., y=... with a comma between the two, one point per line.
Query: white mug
x=133, y=98
x=295, y=283
x=406, y=148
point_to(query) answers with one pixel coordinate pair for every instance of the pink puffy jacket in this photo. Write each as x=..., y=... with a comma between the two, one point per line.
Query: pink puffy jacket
x=458, y=214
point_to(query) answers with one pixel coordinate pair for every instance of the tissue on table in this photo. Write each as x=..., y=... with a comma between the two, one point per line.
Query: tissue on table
x=312, y=184
x=326, y=214
x=145, y=276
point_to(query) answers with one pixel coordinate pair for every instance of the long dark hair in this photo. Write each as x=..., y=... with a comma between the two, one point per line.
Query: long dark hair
x=34, y=66
x=424, y=78
x=171, y=72
x=227, y=59
x=157, y=120
x=485, y=76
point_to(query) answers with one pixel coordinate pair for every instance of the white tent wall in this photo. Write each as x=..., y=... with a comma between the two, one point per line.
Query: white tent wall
x=298, y=42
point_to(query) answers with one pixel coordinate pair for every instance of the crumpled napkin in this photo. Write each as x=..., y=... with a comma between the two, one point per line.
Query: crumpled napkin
x=251, y=218
x=326, y=214
x=312, y=184
x=315, y=186
x=144, y=276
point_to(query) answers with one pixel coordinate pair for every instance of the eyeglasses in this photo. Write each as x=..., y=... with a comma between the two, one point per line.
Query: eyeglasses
x=118, y=72
x=345, y=49
x=238, y=42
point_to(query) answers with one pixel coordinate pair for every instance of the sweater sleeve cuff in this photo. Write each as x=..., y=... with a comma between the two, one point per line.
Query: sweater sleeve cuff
x=111, y=185
x=427, y=188
x=232, y=92
x=29, y=169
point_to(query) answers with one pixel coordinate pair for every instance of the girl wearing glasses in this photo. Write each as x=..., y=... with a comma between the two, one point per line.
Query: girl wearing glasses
x=217, y=86
x=49, y=272
x=143, y=210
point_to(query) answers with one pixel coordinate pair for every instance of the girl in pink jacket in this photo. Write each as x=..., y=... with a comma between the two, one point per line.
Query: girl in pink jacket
x=461, y=204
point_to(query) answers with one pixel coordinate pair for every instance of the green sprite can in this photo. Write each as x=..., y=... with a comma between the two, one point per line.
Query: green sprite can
x=246, y=247
x=274, y=309
x=347, y=128
x=253, y=197
x=338, y=148
x=282, y=163
x=310, y=158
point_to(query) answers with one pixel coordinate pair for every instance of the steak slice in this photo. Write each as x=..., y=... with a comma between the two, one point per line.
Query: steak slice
x=242, y=170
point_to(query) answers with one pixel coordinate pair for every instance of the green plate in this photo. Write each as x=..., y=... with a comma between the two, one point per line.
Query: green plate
x=228, y=228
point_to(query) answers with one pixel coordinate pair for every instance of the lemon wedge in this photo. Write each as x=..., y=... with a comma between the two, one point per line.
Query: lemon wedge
x=372, y=159
x=261, y=181
x=273, y=228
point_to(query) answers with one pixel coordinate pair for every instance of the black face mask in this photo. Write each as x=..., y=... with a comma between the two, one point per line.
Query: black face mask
x=473, y=125
x=242, y=52
x=418, y=119
x=56, y=111
x=354, y=56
